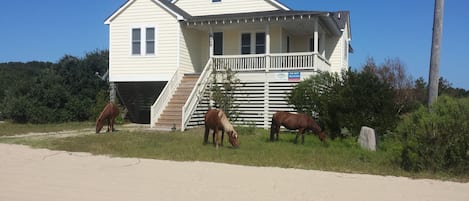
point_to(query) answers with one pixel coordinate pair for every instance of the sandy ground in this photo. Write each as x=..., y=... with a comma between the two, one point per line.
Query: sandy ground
x=44, y=175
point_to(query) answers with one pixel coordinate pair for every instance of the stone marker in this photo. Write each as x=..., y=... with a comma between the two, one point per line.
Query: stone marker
x=367, y=138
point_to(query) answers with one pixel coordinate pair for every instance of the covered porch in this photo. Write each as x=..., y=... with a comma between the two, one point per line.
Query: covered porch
x=264, y=41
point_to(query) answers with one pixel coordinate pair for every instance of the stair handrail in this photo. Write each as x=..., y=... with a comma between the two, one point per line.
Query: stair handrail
x=164, y=98
x=196, y=94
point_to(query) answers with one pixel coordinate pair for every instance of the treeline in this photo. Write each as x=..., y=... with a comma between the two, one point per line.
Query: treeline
x=45, y=92
x=387, y=99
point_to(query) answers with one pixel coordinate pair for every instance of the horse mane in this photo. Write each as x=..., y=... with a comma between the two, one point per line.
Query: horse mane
x=224, y=121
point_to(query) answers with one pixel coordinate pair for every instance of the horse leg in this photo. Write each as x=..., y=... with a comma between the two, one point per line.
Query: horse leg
x=222, y=136
x=112, y=124
x=213, y=138
x=217, y=138
x=272, y=131
x=206, y=135
x=108, y=124
x=302, y=132
x=277, y=131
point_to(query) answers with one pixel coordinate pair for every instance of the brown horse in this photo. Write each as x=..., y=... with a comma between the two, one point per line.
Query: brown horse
x=302, y=122
x=108, y=114
x=216, y=120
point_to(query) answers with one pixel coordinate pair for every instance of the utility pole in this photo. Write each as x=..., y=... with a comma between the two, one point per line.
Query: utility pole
x=435, y=54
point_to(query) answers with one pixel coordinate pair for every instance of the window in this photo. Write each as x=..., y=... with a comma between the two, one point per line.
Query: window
x=136, y=41
x=143, y=41
x=215, y=1
x=288, y=44
x=246, y=43
x=260, y=43
x=253, y=43
x=150, y=40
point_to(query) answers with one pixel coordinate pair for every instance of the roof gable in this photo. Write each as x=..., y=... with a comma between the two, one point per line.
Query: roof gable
x=166, y=5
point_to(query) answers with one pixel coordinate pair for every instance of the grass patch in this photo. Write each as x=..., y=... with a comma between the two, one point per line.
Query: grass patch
x=255, y=150
x=10, y=129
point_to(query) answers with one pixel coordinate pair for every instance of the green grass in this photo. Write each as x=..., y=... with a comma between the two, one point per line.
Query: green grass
x=10, y=129
x=255, y=150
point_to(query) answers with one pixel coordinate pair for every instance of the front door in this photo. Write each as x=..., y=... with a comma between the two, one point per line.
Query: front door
x=218, y=43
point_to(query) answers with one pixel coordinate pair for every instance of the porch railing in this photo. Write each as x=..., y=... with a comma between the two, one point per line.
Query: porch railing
x=196, y=94
x=267, y=62
x=164, y=97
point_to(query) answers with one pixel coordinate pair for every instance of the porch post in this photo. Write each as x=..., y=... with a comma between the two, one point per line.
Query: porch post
x=316, y=35
x=316, y=43
x=267, y=48
x=210, y=35
x=323, y=44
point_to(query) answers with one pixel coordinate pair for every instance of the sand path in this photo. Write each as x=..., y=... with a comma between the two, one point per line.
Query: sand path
x=44, y=175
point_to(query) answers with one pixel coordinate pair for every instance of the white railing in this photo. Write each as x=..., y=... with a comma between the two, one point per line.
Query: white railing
x=196, y=94
x=287, y=61
x=164, y=97
x=267, y=62
x=250, y=62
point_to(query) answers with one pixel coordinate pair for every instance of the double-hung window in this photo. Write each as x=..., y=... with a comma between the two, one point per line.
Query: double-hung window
x=253, y=43
x=143, y=41
x=246, y=43
x=150, y=40
x=136, y=41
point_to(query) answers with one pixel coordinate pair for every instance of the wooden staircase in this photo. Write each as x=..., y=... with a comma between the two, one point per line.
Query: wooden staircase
x=171, y=116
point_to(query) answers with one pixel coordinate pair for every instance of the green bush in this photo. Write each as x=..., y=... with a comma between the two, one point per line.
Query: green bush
x=437, y=140
x=350, y=101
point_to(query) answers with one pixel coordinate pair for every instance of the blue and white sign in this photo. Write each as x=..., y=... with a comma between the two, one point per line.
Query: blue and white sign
x=294, y=76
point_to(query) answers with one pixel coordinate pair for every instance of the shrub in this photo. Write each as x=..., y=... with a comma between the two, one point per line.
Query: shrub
x=353, y=100
x=437, y=140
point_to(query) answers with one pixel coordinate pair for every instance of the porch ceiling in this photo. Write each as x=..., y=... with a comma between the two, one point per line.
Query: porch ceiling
x=298, y=22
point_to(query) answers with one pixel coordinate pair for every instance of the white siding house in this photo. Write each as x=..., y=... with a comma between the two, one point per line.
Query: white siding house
x=156, y=44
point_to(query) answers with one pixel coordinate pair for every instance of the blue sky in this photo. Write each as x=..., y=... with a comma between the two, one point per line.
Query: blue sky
x=46, y=30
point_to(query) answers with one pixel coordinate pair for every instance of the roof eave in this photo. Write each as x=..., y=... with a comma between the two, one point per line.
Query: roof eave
x=116, y=13
x=280, y=5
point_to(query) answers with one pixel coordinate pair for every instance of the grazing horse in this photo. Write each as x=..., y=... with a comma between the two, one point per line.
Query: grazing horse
x=108, y=114
x=216, y=120
x=302, y=122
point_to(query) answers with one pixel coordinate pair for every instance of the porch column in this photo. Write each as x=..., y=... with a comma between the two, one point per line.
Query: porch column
x=316, y=35
x=316, y=44
x=211, y=42
x=267, y=47
x=323, y=44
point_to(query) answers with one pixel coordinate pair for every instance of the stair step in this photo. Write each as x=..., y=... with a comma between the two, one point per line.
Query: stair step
x=172, y=113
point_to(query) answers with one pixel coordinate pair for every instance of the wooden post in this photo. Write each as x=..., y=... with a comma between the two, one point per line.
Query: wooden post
x=435, y=54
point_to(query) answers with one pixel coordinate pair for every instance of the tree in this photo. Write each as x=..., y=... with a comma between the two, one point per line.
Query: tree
x=393, y=72
x=224, y=87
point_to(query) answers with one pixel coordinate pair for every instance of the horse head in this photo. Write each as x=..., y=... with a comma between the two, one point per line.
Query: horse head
x=322, y=137
x=233, y=138
x=99, y=125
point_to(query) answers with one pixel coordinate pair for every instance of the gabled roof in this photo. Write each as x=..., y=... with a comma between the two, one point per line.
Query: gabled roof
x=165, y=4
x=335, y=20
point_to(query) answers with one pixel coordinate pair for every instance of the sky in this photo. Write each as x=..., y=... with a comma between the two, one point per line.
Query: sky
x=46, y=30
